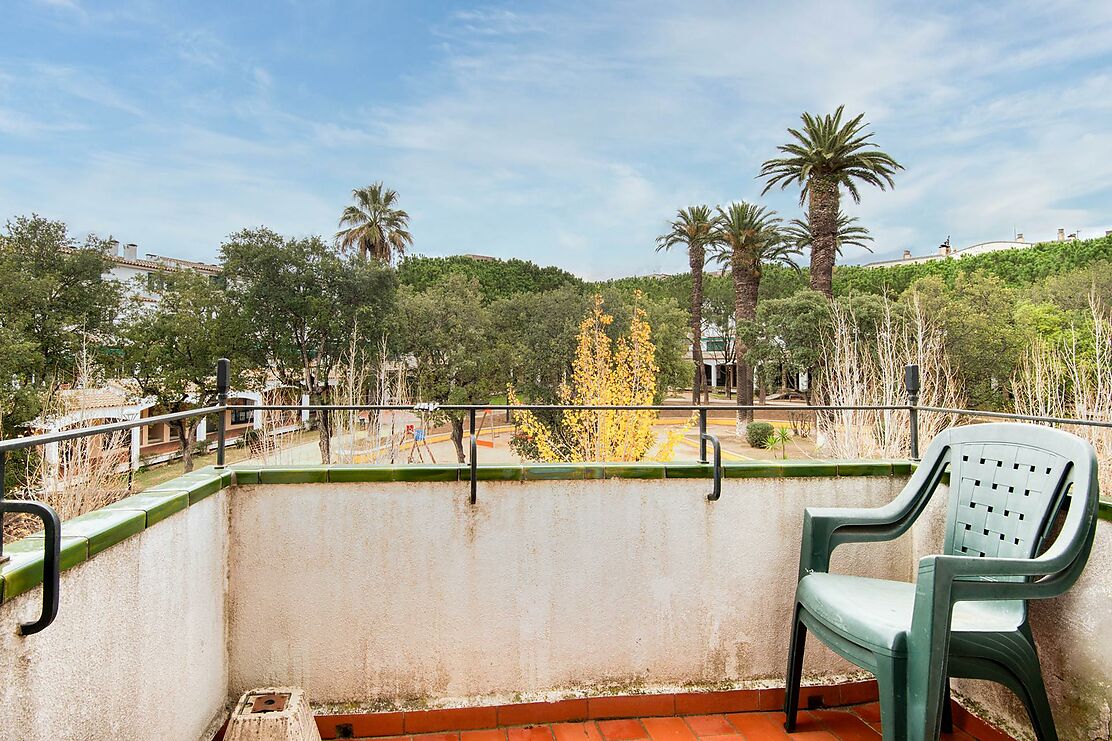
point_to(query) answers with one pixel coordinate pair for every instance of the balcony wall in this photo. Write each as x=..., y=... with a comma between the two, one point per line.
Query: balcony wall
x=372, y=592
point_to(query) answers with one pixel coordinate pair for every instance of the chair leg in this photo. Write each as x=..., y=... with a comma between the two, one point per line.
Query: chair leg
x=947, y=710
x=795, y=671
x=1024, y=665
x=891, y=681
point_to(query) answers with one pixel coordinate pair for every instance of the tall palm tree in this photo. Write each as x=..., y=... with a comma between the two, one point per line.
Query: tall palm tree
x=748, y=236
x=693, y=229
x=374, y=225
x=849, y=233
x=826, y=155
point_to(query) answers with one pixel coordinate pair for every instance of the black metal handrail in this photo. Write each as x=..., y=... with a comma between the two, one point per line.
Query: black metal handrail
x=52, y=529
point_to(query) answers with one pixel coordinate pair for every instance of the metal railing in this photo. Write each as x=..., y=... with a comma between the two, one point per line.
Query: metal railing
x=52, y=527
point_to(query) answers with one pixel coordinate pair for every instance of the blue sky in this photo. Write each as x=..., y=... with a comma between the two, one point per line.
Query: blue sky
x=566, y=133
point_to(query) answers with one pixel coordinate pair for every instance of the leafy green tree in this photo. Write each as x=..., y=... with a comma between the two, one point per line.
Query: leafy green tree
x=374, y=224
x=670, y=333
x=54, y=302
x=497, y=278
x=787, y=334
x=1072, y=290
x=1054, y=269
x=171, y=348
x=748, y=236
x=534, y=339
x=826, y=156
x=301, y=303
x=693, y=229
x=982, y=337
x=54, y=294
x=447, y=331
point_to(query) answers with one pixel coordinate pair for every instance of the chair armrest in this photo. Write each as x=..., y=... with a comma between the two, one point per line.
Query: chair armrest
x=825, y=528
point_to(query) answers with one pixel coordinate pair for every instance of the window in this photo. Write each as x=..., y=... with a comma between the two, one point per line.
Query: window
x=156, y=434
x=716, y=344
x=242, y=416
x=156, y=282
x=173, y=430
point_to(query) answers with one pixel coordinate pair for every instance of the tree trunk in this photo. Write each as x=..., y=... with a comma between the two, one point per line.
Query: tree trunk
x=696, y=258
x=457, y=438
x=187, y=436
x=324, y=425
x=747, y=280
x=823, y=216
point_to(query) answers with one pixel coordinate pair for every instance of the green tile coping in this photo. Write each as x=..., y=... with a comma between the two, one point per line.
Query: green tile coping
x=91, y=533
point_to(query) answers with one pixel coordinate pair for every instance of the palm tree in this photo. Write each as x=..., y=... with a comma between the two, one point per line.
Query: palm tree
x=379, y=229
x=748, y=237
x=693, y=229
x=826, y=155
x=849, y=233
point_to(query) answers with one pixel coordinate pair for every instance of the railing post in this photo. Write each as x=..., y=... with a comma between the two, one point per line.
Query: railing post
x=911, y=383
x=703, y=435
x=474, y=459
x=222, y=402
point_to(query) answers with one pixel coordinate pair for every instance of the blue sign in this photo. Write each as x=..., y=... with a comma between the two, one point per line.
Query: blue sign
x=418, y=435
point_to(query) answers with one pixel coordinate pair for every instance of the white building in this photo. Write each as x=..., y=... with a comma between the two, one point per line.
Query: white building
x=148, y=272
x=946, y=252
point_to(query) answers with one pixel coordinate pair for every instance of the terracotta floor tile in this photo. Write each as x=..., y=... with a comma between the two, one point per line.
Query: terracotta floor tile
x=668, y=729
x=771, y=725
x=622, y=730
x=846, y=726
x=734, y=737
x=491, y=734
x=529, y=733
x=576, y=732
x=758, y=726
x=709, y=725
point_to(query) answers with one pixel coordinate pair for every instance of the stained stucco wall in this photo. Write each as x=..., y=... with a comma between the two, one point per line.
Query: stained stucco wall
x=138, y=649
x=367, y=593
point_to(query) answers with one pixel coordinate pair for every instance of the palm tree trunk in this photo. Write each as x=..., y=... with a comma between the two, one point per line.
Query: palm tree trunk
x=696, y=259
x=747, y=279
x=823, y=216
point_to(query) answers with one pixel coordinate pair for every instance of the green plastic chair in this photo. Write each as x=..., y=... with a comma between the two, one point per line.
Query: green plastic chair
x=1011, y=486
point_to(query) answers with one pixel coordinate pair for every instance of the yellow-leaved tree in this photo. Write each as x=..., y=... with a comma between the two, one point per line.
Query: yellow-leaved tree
x=603, y=373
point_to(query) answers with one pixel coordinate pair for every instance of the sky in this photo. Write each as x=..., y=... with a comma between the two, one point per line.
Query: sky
x=566, y=133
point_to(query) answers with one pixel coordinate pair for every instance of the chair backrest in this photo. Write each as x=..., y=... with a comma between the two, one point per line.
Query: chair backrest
x=1008, y=483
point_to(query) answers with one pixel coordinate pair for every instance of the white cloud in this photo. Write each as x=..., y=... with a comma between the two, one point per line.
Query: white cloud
x=570, y=134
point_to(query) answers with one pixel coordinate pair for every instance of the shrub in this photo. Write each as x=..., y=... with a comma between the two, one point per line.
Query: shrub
x=757, y=433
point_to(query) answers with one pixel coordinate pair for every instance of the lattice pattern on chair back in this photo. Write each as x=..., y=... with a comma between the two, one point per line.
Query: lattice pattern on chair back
x=1001, y=496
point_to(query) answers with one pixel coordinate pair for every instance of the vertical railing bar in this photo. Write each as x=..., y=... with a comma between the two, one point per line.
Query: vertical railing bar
x=911, y=383
x=474, y=459
x=703, y=435
x=716, y=492
x=222, y=402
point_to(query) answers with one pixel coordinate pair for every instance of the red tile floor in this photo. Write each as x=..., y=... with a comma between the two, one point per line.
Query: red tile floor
x=859, y=722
